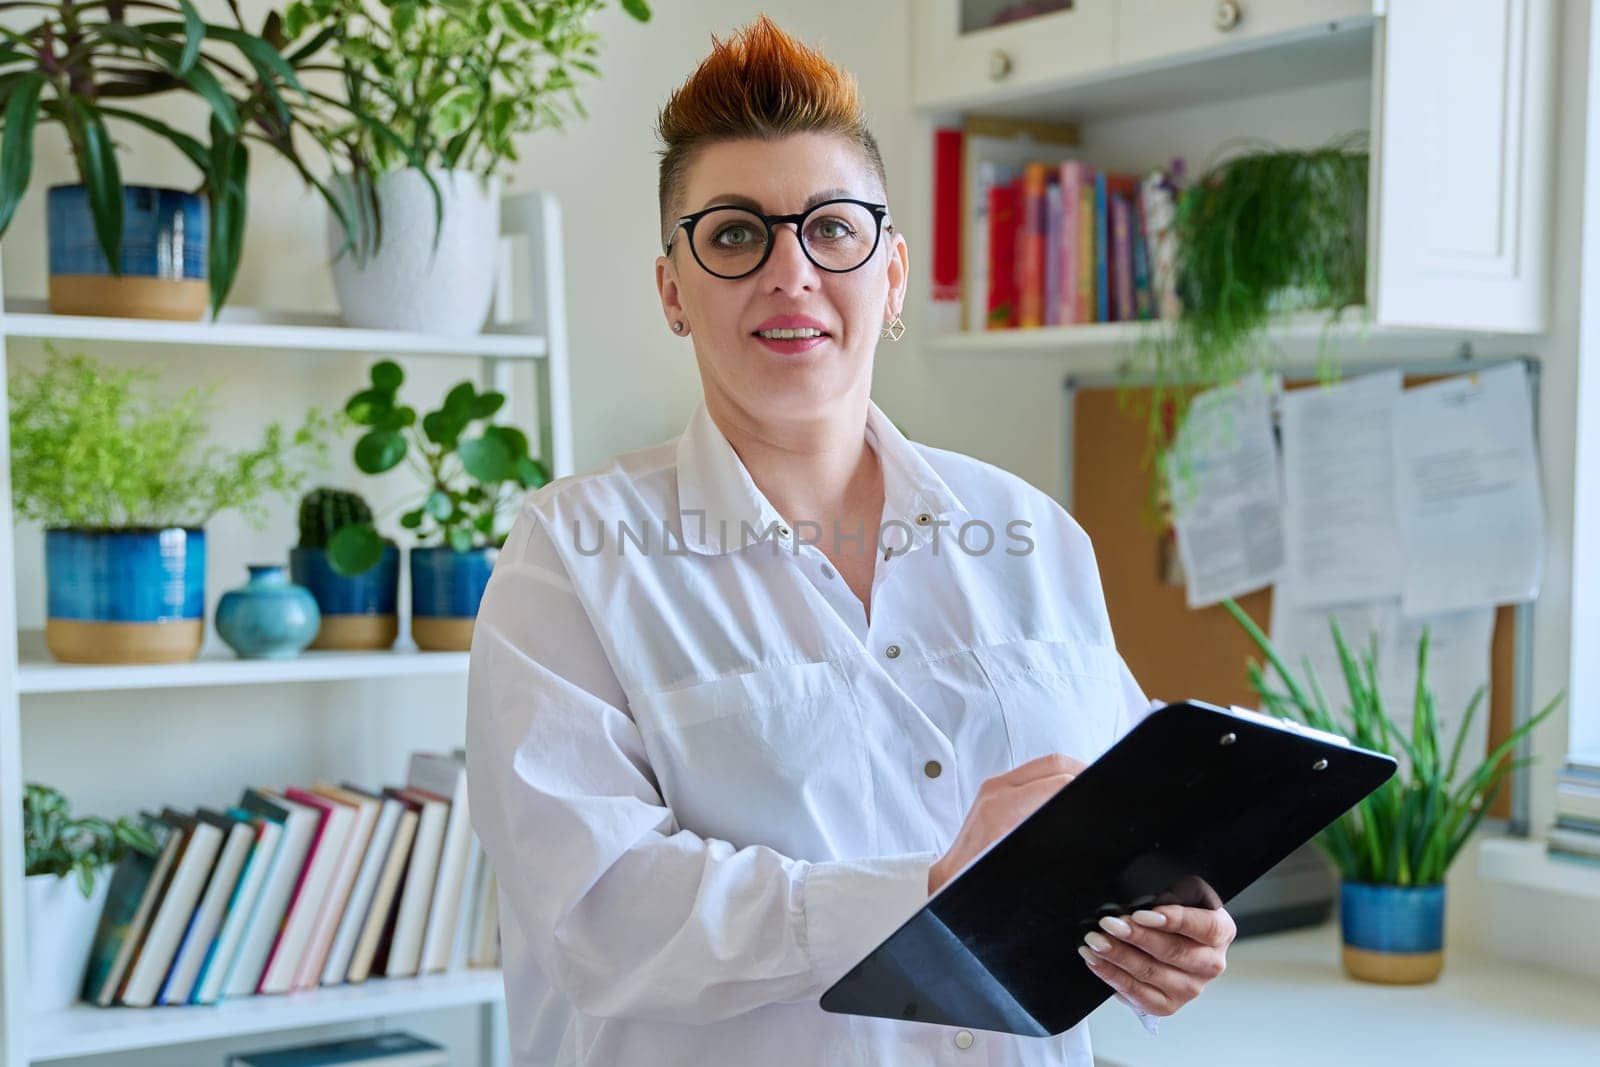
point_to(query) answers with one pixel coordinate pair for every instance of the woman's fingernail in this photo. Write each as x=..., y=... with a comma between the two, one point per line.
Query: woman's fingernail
x=1088, y=957
x=1149, y=918
x=1098, y=941
x=1113, y=925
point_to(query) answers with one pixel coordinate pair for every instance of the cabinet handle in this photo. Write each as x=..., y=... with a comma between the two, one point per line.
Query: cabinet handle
x=999, y=65
x=1227, y=16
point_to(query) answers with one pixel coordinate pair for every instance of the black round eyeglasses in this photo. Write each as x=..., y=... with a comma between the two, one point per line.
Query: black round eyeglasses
x=732, y=242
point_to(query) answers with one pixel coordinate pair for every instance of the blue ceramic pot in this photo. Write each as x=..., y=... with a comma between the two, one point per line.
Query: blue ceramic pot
x=125, y=596
x=446, y=587
x=1392, y=934
x=163, y=262
x=358, y=611
x=268, y=617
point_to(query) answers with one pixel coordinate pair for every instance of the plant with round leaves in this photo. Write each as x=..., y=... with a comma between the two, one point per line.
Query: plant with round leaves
x=85, y=63
x=471, y=467
x=53, y=842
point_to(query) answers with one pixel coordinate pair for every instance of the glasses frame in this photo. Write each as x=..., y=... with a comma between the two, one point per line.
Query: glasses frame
x=687, y=223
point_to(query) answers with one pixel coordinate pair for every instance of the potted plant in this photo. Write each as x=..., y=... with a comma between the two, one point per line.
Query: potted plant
x=1392, y=850
x=124, y=483
x=356, y=591
x=469, y=481
x=1265, y=230
x=441, y=90
x=67, y=865
x=140, y=250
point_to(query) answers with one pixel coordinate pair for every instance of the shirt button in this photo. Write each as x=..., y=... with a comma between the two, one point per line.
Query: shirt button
x=893, y=652
x=964, y=1039
x=932, y=770
x=827, y=571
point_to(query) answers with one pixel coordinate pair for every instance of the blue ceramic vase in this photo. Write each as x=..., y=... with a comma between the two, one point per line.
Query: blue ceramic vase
x=1392, y=934
x=269, y=617
x=163, y=261
x=446, y=587
x=359, y=611
x=125, y=596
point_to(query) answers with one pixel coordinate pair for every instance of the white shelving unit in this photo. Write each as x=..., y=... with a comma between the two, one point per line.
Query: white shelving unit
x=532, y=224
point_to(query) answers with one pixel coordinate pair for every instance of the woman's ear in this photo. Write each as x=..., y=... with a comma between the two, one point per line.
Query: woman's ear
x=899, y=275
x=671, y=299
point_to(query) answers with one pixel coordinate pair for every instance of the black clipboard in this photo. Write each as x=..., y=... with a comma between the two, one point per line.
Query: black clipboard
x=1189, y=807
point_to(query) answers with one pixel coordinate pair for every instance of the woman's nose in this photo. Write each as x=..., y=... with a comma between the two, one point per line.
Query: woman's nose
x=788, y=266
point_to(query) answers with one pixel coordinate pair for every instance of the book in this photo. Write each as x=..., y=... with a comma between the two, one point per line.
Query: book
x=197, y=856
x=485, y=949
x=416, y=897
x=1031, y=246
x=130, y=899
x=386, y=895
x=471, y=901
x=300, y=825
x=1579, y=842
x=1005, y=215
x=378, y=1050
x=1087, y=297
x=1102, y=251
x=444, y=776
x=224, y=947
x=1071, y=184
x=238, y=838
x=1052, y=251
x=337, y=965
x=1143, y=298
x=322, y=859
x=336, y=900
x=946, y=257
x=1121, y=269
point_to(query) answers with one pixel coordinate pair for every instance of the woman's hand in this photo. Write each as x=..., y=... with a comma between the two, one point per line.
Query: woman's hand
x=1002, y=802
x=1159, y=960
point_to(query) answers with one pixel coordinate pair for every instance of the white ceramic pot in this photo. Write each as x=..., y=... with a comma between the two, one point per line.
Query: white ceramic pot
x=61, y=925
x=407, y=284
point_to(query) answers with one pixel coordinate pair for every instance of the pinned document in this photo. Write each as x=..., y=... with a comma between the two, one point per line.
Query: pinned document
x=1227, y=508
x=1342, y=543
x=1467, y=492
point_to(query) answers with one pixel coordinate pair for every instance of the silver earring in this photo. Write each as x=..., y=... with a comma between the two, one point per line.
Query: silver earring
x=677, y=327
x=895, y=330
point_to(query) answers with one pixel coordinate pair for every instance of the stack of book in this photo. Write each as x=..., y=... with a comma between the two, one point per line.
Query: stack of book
x=381, y=1050
x=1067, y=244
x=1576, y=834
x=292, y=889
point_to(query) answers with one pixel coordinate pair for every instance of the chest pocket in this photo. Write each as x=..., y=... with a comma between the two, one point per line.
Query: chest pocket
x=769, y=756
x=1055, y=696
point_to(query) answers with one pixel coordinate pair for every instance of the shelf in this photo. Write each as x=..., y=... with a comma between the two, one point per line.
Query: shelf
x=82, y=1030
x=38, y=673
x=1523, y=862
x=1293, y=329
x=247, y=328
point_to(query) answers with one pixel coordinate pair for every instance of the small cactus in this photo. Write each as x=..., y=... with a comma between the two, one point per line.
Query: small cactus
x=323, y=511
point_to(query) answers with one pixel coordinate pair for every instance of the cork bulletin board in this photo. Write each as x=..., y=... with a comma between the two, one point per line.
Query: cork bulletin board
x=1177, y=653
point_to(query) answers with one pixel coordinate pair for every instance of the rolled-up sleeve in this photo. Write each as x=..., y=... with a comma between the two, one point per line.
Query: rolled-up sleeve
x=627, y=913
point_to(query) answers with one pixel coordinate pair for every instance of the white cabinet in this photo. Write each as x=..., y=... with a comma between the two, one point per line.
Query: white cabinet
x=1462, y=158
x=1154, y=30
x=961, y=57
x=965, y=57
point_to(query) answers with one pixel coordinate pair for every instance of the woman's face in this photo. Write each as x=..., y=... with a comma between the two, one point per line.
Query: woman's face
x=773, y=381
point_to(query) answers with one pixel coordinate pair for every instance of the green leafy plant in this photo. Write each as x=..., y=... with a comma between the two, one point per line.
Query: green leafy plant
x=469, y=479
x=1409, y=831
x=445, y=83
x=86, y=63
x=1263, y=231
x=56, y=843
x=95, y=447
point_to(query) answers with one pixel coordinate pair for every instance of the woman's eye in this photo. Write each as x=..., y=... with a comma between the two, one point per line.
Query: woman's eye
x=735, y=235
x=833, y=229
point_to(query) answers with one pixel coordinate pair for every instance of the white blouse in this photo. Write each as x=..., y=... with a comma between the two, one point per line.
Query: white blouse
x=709, y=786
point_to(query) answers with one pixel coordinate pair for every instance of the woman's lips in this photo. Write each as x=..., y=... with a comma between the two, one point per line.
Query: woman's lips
x=792, y=346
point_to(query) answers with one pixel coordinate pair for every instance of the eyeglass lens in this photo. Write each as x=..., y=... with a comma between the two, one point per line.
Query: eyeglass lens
x=838, y=236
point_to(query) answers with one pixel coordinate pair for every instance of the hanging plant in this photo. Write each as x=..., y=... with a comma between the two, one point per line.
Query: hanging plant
x=1264, y=231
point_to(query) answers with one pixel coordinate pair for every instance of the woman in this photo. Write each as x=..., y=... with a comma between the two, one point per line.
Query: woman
x=739, y=702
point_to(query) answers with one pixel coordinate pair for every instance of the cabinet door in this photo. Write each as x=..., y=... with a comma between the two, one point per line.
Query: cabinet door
x=1153, y=30
x=1463, y=164
x=972, y=52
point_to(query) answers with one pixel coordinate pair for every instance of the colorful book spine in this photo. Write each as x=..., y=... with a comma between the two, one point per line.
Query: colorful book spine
x=1102, y=279
x=947, y=151
x=1143, y=297
x=1005, y=213
x=1086, y=298
x=1031, y=286
x=1070, y=179
x=1052, y=252
x=1121, y=258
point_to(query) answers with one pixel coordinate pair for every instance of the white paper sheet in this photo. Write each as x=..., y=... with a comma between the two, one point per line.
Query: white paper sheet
x=1467, y=492
x=1341, y=539
x=1459, y=646
x=1227, y=504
